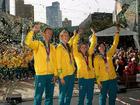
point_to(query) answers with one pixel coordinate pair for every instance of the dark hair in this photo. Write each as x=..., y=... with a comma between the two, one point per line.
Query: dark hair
x=35, y=23
x=81, y=42
x=48, y=28
x=97, y=50
x=77, y=30
x=125, y=5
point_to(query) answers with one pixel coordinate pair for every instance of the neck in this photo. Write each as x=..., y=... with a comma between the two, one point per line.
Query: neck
x=102, y=53
x=83, y=53
x=47, y=41
x=64, y=43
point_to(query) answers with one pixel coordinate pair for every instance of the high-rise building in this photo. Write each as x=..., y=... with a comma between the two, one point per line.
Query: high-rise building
x=4, y=5
x=39, y=9
x=23, y=10
x=54, y=15
x=17, y=8
x=95, y=18
x=67, y=23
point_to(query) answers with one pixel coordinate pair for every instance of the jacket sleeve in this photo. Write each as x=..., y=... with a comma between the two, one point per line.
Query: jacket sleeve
x=55, y=62
x=92, y=45
x=29, y=41
x=97, y=68
x=59, y=61
x=71, y=41
x=114, y=46
x=75, y=45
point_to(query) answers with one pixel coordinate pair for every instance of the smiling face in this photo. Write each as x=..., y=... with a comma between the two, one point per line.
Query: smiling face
x=83, y=48
x=101, y=48
x=48, y=34
x=64, y=36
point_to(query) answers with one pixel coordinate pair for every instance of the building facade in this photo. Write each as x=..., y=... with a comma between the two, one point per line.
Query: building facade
x=5, y=5
x=54, y=15
x=22, y=10
x=95, y=18
x=67, y=23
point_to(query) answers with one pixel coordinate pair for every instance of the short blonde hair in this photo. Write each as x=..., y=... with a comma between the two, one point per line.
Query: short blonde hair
x=61, y=33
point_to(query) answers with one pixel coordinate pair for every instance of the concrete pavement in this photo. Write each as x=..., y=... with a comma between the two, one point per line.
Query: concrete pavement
x=26, y=89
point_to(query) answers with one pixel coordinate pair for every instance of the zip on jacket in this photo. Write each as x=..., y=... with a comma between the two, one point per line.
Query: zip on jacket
x=105, y=70
x=65, y=61
x=42, y=65
x=85, y=69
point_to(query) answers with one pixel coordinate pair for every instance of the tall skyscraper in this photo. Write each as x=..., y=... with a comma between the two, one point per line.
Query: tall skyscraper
x=17, y=8
x=54, y=15
x=39, y=9
x=4, y=5
x=23, y=10
x=66, y=23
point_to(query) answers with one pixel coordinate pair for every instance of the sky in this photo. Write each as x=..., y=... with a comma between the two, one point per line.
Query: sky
x=78, y=10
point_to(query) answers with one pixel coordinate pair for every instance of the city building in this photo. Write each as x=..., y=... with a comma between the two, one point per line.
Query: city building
x=17, y=8
x=67, y=23
x=22, y=10
x=4, y=5
x=39, y=9
x=96, y=17
x=54, y=15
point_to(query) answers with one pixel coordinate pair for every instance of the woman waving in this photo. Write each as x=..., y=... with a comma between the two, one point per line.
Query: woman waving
x=105, y=71
x=85, y=72
x=66, y=68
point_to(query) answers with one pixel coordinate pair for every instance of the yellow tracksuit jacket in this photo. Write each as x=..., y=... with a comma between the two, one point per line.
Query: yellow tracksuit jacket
x=64, y=66
x=101, y=72
x=42, y=66
x=83, y=70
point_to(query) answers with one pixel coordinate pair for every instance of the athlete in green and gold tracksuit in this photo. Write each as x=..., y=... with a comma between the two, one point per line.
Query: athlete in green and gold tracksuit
x=44, y=63
x=66, y=68
x=105, y=72
x=85, y=70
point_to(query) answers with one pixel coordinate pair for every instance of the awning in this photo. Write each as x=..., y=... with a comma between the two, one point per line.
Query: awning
x=110, y=32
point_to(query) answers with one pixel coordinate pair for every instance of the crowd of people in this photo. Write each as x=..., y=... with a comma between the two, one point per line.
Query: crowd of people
x=15, y=62
x=127, y=62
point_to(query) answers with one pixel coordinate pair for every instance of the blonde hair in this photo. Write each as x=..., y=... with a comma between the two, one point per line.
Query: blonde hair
x=61, y=33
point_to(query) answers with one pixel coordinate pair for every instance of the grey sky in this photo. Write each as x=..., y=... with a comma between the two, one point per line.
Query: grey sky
x=78, y=10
